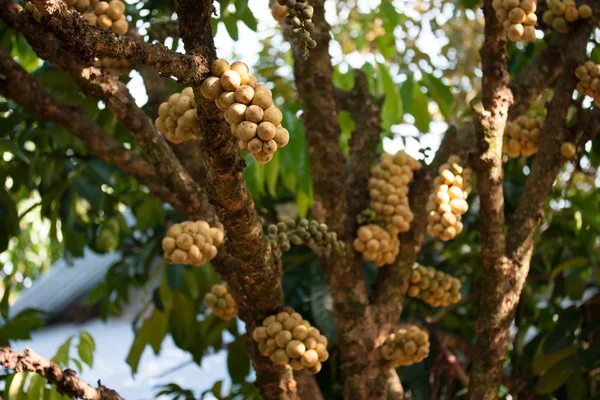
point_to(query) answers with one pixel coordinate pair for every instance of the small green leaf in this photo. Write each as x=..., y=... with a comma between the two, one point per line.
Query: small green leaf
x=440, y=93
x=272, y=174
x=544, y=361
x=420, y=110
x=62, y=354
x=572, y=263
x=247, y=17
x=576, y=387
x=238, y=362
x=86, y=348
x=555, y=377
x=230, y=22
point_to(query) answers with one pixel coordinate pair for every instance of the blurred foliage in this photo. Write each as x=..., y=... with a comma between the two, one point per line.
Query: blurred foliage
x=421, y=58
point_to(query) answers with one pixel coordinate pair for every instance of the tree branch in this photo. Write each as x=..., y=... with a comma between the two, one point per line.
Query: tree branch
x=506, y=261
x=365, y=111
x=66, y=381
x=490, y=119
x=332, y=200
x=29, y=93
x=258, y=275
x=118, y=100
x=87, y=42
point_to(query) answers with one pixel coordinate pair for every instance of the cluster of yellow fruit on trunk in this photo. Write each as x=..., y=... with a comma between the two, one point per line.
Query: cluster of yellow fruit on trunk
x=406, y=346
x=107, y=15
x=221, y=302
x=376, y=244
x=288, y=339
x=247, y=107
x=177, y=117
x=388, y=193
x=448, y=203
x=434, y=287
x=518, y=18
x=192, y=243
x=588, y=75
x=522, y=136
x=562, y=13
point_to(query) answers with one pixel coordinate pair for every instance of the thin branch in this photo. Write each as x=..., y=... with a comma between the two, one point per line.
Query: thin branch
x=66, y=381
x=118, y=99
x=87, y=42
x=29, y=93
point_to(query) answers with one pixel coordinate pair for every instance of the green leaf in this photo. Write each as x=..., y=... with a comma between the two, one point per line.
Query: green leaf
x=571, y=264
x=26, y=56
x=86, y=348
x=272, y=173
x=420, y=110
x=14, y=389
x=230, y=22
x=391, y=112
x=321, y=303
x=406, y=93
x=9, y=145
x=576, y=387
x=238, y=362
x=182, y=318
x=36, y=387
x=591, y=356
x=302, y=203
x=248, y=18
x=575, y=286
x=344, y=81
x=440, y=93
x=152, y=331
x=62, y=354
x=555, y=377
x=174, y=275
x=9, y=218
x=543, y=361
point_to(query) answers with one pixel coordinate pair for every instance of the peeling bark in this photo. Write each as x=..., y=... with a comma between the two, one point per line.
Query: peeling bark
x=66, y=381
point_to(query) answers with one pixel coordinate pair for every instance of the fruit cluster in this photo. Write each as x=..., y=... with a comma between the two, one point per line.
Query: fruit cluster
x=588, y=75
x=518, y=18
x=307, y=233
x=192, y=243
x=30, y=7
x=290, y=340
x=162, y=28
x=406, y=346
x=177, y=117
x=221, y=302
x=522, y=136
x=299, y=19
x=117, y=67
x=434, y=287
x=388, y=190
x=448, y=202
x=561, y=13
x=107, y=15
x=248, y=108
x=376, y=244
x=79, y=5
x=279, y=12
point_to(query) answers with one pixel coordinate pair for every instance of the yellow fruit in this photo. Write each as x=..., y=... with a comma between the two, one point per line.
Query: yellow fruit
x=568, y=150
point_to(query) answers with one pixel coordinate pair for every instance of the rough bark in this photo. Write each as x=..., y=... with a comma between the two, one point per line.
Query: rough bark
x=259, y=270
x=30, y=94
x=490, y=119
x=354, y=320
x=87, y=42
x=66, y=381
x=506, y=258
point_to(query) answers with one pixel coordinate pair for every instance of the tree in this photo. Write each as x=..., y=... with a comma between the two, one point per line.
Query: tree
x=525, y=251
